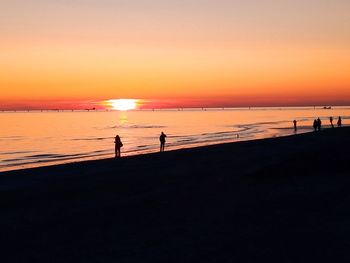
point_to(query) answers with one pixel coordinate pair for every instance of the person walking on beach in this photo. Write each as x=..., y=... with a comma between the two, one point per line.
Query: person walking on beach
x=339, y=122
x=118, y=144
x=315, y=125
x=295, y=125
x=331, y=121
x=319, y=124
x=162, y=141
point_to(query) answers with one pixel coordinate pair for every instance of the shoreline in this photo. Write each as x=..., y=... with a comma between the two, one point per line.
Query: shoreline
x=128, y=155
x=39, y=163
x=282, y=199
x=183, y=148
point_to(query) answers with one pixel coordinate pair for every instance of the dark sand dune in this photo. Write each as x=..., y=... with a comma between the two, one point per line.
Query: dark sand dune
x=280, y=200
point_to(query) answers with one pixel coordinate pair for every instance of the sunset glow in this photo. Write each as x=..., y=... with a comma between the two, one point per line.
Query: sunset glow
x=204, y=53
x=123, y=104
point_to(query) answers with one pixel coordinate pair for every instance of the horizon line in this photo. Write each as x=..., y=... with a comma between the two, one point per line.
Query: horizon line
x=94, y=109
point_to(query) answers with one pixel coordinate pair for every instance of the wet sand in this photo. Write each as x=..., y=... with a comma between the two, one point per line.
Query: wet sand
x=281, y=200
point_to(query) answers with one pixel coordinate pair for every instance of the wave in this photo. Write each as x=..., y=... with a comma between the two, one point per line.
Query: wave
x=45, y=159
x=16, y=152
x=11, y=138
x=91, y=139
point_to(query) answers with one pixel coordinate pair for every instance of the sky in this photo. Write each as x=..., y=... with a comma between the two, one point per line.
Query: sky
x=76, y=53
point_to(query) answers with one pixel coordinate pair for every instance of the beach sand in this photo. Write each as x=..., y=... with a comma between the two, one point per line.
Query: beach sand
x=281, y=200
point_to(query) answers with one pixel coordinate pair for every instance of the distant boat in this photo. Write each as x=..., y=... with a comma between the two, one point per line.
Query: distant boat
x=91, y=109
x=327, y=107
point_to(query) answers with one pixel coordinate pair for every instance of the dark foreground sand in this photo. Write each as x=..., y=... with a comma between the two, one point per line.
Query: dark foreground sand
x=274, y=200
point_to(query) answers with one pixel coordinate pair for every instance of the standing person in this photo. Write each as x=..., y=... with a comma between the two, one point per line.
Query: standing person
x=295, y=125
x=162, y=141
x=331, y=121
x=319, y=124
x=118, y=144
x=339, y=122
x=315, y=125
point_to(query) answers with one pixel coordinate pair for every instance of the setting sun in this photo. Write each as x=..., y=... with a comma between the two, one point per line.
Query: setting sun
x=123, y=104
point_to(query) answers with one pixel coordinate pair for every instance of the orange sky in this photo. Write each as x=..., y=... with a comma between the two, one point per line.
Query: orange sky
x=214, y=53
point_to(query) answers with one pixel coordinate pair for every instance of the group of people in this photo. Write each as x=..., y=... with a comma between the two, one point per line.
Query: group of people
x=318, y=123
x=118, y=144
x=338, y=122
x=317, y=127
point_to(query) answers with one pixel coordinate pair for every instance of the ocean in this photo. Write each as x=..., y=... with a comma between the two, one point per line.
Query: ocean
x=40, y=138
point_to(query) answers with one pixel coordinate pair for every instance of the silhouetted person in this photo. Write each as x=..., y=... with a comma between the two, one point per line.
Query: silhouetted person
x=339, y=122
x=295, y=125
x=118, y=144
x=315, y=125
x=319, y=124
x=162, y=141
x=331, y=121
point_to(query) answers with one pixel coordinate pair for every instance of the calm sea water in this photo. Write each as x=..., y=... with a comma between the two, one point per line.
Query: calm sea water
x=31, y=139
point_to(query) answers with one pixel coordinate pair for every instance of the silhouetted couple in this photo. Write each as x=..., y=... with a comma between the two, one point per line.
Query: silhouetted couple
x=118, y=144
x=338, y=122
x=317, y=124
x=162, y=141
